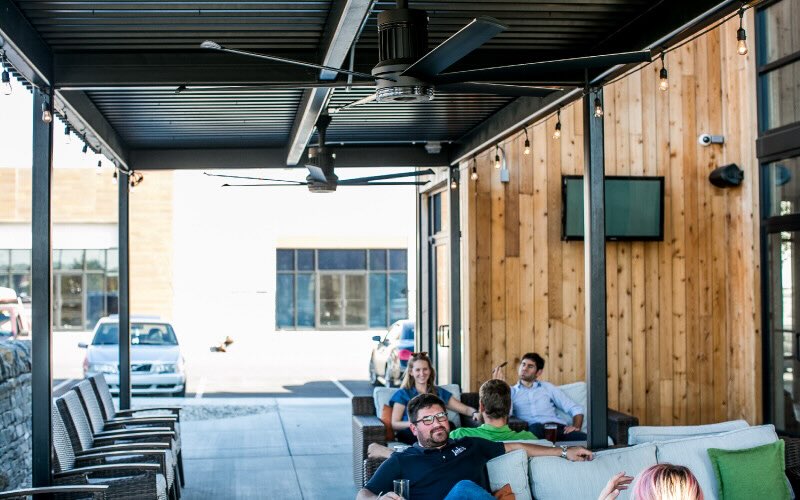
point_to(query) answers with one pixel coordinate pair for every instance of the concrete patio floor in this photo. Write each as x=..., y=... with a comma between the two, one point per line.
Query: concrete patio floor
x=282, y=448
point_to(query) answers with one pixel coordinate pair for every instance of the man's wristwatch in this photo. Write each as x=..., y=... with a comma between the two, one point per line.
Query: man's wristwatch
x=564, y=451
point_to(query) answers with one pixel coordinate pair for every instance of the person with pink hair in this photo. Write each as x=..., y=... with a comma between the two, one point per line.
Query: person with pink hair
x=659, y=482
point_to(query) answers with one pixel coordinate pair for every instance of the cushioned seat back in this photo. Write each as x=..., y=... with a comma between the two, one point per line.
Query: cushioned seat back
x=63, y=453
x=78, y=427
x=90, y=404
x=575, y=391
x=693, y=452
x=382, y=395
x=649, y=434
x=103, y=396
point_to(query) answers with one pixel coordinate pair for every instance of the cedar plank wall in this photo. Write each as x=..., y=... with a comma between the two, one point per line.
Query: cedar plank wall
x=683, y=314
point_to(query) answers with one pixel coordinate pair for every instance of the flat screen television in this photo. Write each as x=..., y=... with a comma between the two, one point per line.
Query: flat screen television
x=634, y=208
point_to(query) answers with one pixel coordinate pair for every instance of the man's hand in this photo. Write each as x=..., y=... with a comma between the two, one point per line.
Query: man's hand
x=570, y=428
x=578, y=454
x=390, y=496
x=498, y=373
x=615, y=485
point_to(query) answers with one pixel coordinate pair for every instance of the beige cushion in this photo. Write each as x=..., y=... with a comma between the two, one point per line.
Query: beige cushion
x=648, y=434
x=510, y=468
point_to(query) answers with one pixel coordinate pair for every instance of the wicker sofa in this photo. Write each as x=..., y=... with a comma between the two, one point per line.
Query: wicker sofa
x=368, y=428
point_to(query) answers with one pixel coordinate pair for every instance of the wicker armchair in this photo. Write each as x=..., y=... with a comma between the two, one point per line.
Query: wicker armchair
x=792, y=453
x=95, y=492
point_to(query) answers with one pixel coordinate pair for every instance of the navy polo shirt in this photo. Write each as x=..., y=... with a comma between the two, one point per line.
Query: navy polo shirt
x=433, y=472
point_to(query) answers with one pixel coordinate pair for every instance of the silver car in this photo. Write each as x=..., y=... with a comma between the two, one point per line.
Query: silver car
x=157, y=366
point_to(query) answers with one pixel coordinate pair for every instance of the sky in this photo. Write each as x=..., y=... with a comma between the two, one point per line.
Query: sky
x=16, y=116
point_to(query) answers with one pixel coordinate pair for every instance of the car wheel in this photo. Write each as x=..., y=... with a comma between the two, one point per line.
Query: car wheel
x=373, y=377
x=389, y=376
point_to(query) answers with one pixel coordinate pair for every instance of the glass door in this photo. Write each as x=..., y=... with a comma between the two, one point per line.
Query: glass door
x=342, y=300
x=68, y=301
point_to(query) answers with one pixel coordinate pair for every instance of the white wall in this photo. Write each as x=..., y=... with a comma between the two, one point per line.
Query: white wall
x=225, y=239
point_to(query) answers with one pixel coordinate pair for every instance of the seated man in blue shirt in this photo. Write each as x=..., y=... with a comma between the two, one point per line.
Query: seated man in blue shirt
x=536, y=402
x=439, y=467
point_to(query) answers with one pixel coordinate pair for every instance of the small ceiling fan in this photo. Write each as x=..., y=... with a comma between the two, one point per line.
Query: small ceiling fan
x=321, y=177
x=405, y=73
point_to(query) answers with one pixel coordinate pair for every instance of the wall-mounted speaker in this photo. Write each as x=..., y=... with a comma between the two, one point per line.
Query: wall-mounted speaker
x=726, y=176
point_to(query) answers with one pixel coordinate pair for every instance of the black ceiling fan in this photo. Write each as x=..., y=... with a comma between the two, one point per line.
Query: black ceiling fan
x=405, y=73
x=321, y=177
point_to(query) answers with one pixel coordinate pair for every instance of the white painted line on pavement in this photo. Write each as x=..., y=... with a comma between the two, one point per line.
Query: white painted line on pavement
x=201, y=387
x=63, y=384
x=342, y=388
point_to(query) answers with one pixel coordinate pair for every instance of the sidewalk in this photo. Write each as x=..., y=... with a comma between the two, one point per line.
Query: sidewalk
x=282, y=448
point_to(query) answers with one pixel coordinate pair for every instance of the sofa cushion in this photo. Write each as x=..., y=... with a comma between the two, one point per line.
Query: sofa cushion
x=553, y=478
x=575, y=391
x=510, y=468
x=693, y=452
x=649, y=434
x=736, y=471
x=382, y=395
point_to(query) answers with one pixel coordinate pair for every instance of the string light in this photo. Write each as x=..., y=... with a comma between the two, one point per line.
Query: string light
x=663, y=82
x=6, y=78
x=136, y=179
x=557, y=131
x=99, y=168
x=85, y=148
x=47, y=116
x=114, y=178
x=527, y=143
x=741, y=34
x=454, y=184
x=67, y=134
x=598, y=108
x=474, y=174
x=497, y=156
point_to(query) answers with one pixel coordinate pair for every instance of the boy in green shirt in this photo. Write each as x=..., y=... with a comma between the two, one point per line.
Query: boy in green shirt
x=495, y=406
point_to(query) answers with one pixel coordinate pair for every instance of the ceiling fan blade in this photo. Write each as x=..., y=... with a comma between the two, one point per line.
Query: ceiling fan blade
x=212, y=45
x=497, y=89
x=316, y=173
x=531, y=71
x=353, y=104
x=385, y=176
x=253, y=178
x=265, y=185
x=271, y=86
x=410, y=183
x=444, y=55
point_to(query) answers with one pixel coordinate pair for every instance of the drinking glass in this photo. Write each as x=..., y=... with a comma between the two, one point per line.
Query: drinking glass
x=401, y=487
x=551, y=432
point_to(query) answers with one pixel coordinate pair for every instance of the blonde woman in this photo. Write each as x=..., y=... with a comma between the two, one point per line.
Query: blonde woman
x=419, y=379
x=659, y=482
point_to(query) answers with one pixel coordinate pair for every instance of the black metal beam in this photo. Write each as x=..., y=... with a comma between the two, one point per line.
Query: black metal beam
x=346, y=156
x=84, y=115
x=41, y=292
x=594, y=247
x=422, y=342
x=123, y=225
x=342, y=30
x=24, y=48
x=455, y=277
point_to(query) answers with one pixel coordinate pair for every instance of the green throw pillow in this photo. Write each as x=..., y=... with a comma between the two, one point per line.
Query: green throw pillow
x=751, y=473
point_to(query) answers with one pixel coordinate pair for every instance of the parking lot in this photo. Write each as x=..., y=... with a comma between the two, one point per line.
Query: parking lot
x=272, y=364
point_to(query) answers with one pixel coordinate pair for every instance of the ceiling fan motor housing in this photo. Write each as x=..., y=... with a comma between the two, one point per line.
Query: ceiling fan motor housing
x=323, y=159
x=402, y=40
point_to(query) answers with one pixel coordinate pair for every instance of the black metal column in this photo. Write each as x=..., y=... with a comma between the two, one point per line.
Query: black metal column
x=422, y=342
x=124, y=294
x=41, y=291
x=595, y=265
x=455, y=278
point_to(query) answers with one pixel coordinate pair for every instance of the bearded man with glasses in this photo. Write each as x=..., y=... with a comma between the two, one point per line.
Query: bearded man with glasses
x=440, y=467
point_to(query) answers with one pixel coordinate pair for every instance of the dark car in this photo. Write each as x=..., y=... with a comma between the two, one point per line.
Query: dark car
x=391, y=353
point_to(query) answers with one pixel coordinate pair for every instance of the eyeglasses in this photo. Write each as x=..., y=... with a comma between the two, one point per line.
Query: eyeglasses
x=440, y=417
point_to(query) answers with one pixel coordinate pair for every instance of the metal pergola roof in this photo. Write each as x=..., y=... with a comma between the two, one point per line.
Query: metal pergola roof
x=115, y=65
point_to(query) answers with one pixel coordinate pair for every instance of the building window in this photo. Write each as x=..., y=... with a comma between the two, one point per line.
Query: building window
x=85, y=284
x=341, y=288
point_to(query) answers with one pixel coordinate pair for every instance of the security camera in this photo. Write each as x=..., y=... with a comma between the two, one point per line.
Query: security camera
x=708, y=139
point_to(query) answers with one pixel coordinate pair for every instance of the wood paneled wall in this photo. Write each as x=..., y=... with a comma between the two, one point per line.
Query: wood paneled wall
x=684, y=314
x=80, y=196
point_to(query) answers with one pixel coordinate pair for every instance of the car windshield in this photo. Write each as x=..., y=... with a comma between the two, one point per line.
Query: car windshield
x=141, y=334
x=408, y=332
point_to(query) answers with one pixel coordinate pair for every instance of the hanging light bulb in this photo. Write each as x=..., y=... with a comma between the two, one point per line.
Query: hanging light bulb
x=47, y=116
x=453, y=184
x=114, y=178
x=67, y=134
x=99, y=168
x=663, y=79
x=85, y=147
x=497, y=157
x=474, y=174
x=527, y=150
x=557, y=131
x=133, y=185
x=598, y=108
x=741, y=35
